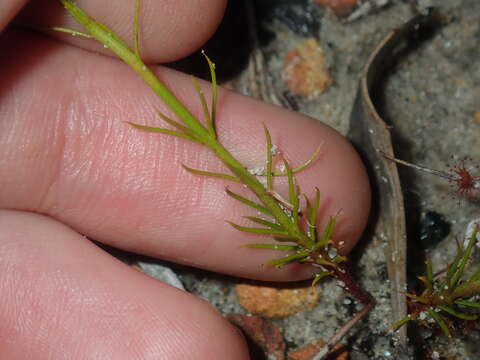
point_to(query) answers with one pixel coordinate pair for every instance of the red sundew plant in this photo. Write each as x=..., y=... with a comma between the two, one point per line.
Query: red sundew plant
x=466, y=183
x=459, y=175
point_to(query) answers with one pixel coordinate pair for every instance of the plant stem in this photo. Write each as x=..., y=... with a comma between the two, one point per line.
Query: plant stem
x=367, y=300
x=263, y=195
x=109, y=39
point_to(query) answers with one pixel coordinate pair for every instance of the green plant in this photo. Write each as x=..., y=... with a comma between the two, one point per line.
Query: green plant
x=448, y=294
x=294, y=229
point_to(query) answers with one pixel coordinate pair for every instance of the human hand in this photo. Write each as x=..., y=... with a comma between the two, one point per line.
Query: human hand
x=67, y=155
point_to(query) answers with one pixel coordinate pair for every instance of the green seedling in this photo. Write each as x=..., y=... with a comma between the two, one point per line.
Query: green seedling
x=293, y=226
x=448, y=295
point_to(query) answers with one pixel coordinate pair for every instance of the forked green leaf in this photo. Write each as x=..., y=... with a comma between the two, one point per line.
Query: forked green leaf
x=174, y=123
x=306, y=164
x=250, y=203
x=211, y=174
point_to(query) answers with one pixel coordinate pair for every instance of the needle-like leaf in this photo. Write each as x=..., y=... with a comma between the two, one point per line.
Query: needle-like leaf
x=285, y=239
x=464, y=260
x=258, y=230
x=327, y=234
x=454, y=265
x=250, y=203
x=304, y=165
x=319, y=277
x=203, y=102
x=162, y=130
x=322, y=261
x=417, y=298
x=475, y=277
x=292, y=193
x=440, y=321
x=401, y=322
x=467, y=303
x=313, y=213
x=136, y=32
x=70, y=31
x=266, y=223
x=272, y=246
x=174, y=123
x=269, y=159
x=456, y=313
x=289, y=259
x=299, y=168
x=429, y=274
x=213, y=116
x=211, y=174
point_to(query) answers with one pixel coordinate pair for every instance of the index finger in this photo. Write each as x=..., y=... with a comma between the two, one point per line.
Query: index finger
x=169, y=29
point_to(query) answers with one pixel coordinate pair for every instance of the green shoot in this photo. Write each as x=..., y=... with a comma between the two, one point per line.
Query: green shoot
x=286, y=221
x=448, y=295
